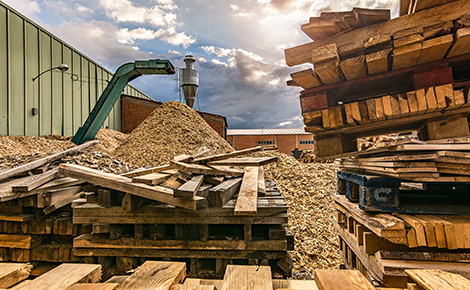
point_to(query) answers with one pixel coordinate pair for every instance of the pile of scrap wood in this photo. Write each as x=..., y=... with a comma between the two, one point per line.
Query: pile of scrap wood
x=195, y=208
x=397, y=75
x=32, y=228
x=172, y=275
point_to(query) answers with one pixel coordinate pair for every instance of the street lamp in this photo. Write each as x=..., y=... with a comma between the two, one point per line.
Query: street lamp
x=63, y=68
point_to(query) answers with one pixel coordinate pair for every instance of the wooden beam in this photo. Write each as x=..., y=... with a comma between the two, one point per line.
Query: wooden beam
x=61, y=203
x=406, y=56
x=202, y=169
x=219, y=195
x=462, y=42
x=354, y=68
x=437, y=279
x=151, y=178
x=155, y=275
x=35, y=164
x=329, y=71
x=93, y=286
x=190, y=188
x=378, y=62
x=435, y=48
x=248, y=194
x=124, y=184
x=35, y=181
x=341, y=279
x=247, y=277
x=448, y=12
x=12, y=273
x=244, y=161
x=306, y=79
x=145, y=171
x=64, y=276
x=227, y=155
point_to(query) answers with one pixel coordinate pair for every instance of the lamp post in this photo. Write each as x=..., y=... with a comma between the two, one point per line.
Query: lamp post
x=63, y=68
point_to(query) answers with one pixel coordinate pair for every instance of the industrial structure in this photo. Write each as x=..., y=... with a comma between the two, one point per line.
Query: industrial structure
x=38, y=95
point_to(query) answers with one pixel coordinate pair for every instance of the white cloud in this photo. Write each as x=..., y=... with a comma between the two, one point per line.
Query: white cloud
x=175, y=52
x=128, y=36
x=125, y=11
x=27, y=7
x=175, y=38
x=283, y=124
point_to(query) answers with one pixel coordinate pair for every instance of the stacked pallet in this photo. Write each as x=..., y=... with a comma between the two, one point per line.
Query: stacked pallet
x=35, y=214
x=399, y=75
x=196, y=209
x=172, y=275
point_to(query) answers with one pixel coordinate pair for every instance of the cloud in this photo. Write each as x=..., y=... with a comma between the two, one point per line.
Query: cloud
x=176, y=38
x=125, y=11
x=30, y=8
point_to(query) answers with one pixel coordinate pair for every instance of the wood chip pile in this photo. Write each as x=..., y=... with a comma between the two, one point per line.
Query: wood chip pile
x=172, y=129
x=307, y=189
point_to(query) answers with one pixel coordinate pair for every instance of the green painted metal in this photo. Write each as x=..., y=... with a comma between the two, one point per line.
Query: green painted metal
x=16, y=67
x=124, y=74
x=57, y=86
x=45, y=85
x=32, y=70
x=67, y=112
x=3, y=72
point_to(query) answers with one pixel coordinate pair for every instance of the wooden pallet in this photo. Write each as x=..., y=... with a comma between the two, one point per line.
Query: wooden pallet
x=413, y=230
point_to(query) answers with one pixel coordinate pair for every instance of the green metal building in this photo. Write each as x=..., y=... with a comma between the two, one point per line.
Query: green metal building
x=56, y=102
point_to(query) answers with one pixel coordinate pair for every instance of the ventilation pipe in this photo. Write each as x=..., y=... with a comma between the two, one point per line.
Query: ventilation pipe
x=189, y=81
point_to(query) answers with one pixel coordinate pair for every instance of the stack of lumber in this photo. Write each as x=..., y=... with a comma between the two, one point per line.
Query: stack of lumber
x=393, y=76
x=385, y=245
x=433, y=161
x=35, y=213
x=195, y=208
x=164, y=275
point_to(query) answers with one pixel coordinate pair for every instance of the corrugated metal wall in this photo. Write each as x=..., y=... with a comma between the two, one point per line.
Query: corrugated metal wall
x=26, y=50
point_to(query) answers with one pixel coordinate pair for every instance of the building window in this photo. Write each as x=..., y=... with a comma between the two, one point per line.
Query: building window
x=306, y=142
x=265, y=142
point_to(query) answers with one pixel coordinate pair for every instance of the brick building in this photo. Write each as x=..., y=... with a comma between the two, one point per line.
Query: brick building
x=285, y=139
x=135, y=110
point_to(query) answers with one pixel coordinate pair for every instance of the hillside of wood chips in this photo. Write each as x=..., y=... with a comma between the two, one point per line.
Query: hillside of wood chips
x=170, y=130
x=307, y=189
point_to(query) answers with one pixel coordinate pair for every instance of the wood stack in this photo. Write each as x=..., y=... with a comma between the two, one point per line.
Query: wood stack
x=392, y=76
x=172, y=275
x=35, y=214
x=196, y=209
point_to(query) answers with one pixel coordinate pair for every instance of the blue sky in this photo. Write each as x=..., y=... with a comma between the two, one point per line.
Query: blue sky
x=239, y=46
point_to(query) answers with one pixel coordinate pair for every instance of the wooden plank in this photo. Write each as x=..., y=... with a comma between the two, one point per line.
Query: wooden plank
x=378, y=62
x=338, y=113
x=377, y=42
x=444, y=96
x=151, y=178
x=421, y=99
x=431, y=279
x=429, y=230
x=219, y=195
x=203, y=169
x=31, y=165
x=356, y=113
x=12, y=273
x=64, y=276
x=435, y=48
x=379, y=109
x=50, y=197
x=341, y=279
x=406, y=56
x=61, y=203
x=245, y=161
x=227, y=155
x=437, y=29
x=407, y=32
x=448, y=12
x=93, y=286
x=459, y=98
x=412, y=102
x=332, y=116
x=155, y=275
x=248, y=194
x=325, y=53
x=462, y=42
x=329, y=72
x=317, y=101
x=314, y=117
x=320, y=29
x=349, y=114
x=364, y=110
x=417, y=226
x=279, y=284
x=431, y=100
x=261, y=182
x=371, y=109
x=326, y=119
x=124, y=184
x=407, y=40
x=354, y=68
x=35, y=181
x=306, y=79
x=247, y=277
x=190, y=188
x=144, y=171
x=404, y=106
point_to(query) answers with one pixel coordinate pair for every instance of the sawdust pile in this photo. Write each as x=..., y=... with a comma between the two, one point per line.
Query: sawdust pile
x=170, y=130
x=307, y=189
x=17, y=150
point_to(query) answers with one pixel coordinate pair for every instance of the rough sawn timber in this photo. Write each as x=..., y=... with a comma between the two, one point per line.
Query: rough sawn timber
x=248, y=195
x=124, y=184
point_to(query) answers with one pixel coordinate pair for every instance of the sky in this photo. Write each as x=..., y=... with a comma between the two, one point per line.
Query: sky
x=238, y=44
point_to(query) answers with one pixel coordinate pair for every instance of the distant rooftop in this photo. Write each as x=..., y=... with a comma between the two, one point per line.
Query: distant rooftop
x=295, y=131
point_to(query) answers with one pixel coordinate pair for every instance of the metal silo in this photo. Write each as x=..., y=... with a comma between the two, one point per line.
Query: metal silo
x=189, y=81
